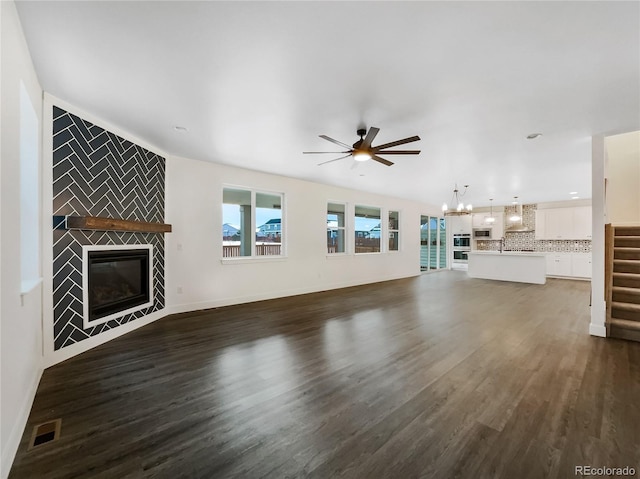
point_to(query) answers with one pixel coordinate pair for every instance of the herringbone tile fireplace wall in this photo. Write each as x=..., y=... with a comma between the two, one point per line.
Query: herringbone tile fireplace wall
x=97, y=173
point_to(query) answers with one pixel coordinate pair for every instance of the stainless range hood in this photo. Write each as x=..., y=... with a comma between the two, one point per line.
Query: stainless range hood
x=518, y=227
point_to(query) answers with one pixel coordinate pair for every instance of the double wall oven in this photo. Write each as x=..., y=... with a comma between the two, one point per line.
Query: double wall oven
x=461, y=247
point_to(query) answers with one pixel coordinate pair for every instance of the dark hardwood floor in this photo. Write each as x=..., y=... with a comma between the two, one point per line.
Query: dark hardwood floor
x=439, y=376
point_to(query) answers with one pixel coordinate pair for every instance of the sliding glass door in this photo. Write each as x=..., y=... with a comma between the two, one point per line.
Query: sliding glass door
x=433, y=243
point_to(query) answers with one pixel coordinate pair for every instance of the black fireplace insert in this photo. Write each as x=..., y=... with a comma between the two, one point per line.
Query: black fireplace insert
x=118, y=281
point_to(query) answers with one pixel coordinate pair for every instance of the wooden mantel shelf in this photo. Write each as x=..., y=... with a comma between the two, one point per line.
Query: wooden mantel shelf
x=112, y=224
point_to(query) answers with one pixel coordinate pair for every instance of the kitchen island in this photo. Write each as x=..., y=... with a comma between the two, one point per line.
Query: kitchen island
x=517, y=266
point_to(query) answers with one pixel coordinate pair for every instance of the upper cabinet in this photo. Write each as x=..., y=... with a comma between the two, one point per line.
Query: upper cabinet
x=481, y=220
x=459, y=224
x=582, y=221
x=478, y=220
x=563, y=223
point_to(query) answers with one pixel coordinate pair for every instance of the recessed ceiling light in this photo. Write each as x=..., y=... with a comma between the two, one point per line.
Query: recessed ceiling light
x=575, y=197
x=533, y=136
x=181, y=129
x=573, y=193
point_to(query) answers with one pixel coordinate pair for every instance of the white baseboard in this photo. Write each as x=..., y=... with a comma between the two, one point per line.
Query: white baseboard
x=598, y=318
x=188, y=307
x=10, y=448
x=55, y=357
x=597, y=330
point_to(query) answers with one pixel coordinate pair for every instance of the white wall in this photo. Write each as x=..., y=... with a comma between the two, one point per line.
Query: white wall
x=598, y=220
x=194, y=248
x=20, y=314
x=623, y=178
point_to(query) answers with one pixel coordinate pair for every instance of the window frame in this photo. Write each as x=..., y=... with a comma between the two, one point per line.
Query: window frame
x=381, y=216
x=254, y=226
x=345, y=228
x=393, y=230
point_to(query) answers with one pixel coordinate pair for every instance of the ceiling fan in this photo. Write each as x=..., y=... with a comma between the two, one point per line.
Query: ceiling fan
x=362, y=150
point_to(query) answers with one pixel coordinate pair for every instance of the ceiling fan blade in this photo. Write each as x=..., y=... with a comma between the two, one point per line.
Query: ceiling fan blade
x=335, y=159
x=366, y=144
x=399, y=152
x=381, y=160
x=396, y=143
x=323, y=152
x=325, y=137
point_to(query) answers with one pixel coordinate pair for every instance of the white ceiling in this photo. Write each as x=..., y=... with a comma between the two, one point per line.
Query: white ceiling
x=255, y=83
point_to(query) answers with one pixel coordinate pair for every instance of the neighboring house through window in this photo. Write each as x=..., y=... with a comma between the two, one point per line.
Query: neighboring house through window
x=252, y=223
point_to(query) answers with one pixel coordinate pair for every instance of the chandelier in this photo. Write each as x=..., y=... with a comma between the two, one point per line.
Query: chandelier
x=456, y=199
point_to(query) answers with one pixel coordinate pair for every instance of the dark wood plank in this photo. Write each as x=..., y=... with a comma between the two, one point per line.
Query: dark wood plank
x=434, y=376
x=113, y=224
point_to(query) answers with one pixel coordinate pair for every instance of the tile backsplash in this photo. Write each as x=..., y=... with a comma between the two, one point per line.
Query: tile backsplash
x=528, y=242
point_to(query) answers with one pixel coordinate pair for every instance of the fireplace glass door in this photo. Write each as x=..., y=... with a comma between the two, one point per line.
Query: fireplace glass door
x=118, y=281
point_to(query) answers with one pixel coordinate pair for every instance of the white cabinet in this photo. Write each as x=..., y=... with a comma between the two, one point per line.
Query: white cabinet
x=558, y=264
x=581, y=265
x=570, y=265
x=563, y=223
x=480, y=220
x=459, y=224
x=559, y=223
x=582, y=222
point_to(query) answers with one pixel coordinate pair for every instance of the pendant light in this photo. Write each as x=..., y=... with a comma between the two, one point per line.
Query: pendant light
x=515, y=216
x=491, y=218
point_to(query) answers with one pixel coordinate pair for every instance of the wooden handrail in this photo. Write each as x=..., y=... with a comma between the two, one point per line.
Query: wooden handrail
x=609, y=242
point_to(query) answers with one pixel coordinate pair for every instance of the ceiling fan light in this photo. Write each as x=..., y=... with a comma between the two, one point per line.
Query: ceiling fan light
x=361, y=156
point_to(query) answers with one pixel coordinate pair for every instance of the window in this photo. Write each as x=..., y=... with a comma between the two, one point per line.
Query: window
x=443, y=244
x=394, y=233
x=424, y=243
x=433, y=242
x=269, y=219
x=336, y=228
x=367, y=229
x=252, y=223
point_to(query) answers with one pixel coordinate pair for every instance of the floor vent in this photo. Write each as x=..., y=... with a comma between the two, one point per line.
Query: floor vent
x=45, y=432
